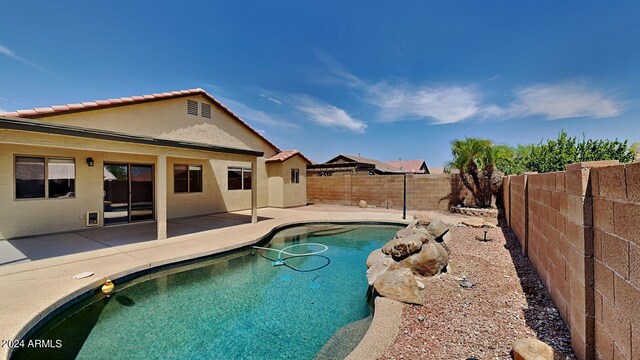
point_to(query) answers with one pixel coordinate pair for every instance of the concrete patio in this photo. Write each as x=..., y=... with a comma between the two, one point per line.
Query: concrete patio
x=50, y=246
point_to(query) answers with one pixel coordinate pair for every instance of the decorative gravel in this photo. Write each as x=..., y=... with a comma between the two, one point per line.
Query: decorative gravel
x=506, y=301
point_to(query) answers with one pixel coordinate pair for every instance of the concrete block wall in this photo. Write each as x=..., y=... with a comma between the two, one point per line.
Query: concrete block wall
x=506, y=199
x=424, y=192
x=616, y=225
x=581, y=230
x=518, y=208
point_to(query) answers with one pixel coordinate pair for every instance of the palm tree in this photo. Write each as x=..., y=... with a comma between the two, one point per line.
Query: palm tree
x=477, y=160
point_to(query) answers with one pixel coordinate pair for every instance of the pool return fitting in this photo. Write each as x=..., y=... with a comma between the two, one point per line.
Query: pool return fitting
x=282, y=261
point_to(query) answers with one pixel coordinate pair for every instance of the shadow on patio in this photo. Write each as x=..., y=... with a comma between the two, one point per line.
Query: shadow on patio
x=50, y=246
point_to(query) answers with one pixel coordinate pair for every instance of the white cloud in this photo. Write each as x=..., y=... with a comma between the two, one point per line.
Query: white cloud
x=250, y=114
x=441, y=105
x=274, y=100
x=567, y=100
x=400, y=101
x=9, y=53
x=326, y=114
x=454, y=103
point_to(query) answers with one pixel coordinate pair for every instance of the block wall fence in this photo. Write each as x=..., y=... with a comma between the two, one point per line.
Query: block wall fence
x=424, y=192
x=581, y=230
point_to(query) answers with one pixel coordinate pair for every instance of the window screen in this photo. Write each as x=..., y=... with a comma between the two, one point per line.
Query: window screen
x=61, y=174
x=29, y=177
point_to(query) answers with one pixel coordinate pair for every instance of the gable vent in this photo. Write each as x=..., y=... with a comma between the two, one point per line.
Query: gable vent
x=205, y=110
x=192, y=107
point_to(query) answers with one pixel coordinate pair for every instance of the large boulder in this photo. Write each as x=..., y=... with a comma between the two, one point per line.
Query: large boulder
x=422, y=220
x=375, y=256
x=437, y=228
x=399, y=284
x=424, y=234
x=531, y=349
x=406, y=246
x=408, y=231
x=431, y=260
x=388, y=247
x=376, y=270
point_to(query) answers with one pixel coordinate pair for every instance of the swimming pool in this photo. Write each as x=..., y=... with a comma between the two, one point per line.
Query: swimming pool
x=236, y=306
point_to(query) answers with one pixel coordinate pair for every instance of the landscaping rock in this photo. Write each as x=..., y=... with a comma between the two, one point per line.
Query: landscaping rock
x=422, y=220
x=430, y=261
x=376, y=270
x=374, y=257
x=408, y=231
x=446, y=238
x=388, y=247
x=531, y=349
x=425, y=235
x=473, y=222
x=406, y=246
x=437, y=228
x=362, y=204
x=399, y=285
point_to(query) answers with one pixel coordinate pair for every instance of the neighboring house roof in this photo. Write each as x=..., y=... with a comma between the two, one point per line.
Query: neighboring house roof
x=286, y=155
x=436, y=169
x=37, y=113
x=411, y=166
x=379, y=165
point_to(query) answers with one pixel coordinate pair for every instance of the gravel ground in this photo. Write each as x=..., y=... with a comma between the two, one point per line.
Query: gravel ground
x=506, y=302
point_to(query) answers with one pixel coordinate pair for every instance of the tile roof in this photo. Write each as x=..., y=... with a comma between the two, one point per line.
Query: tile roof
x=36, y=113
x=412, y=166
x=436, y=169
x=380, y=165
x=286, y=155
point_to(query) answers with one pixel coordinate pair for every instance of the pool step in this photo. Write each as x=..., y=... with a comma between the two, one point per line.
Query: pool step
x=344, y=340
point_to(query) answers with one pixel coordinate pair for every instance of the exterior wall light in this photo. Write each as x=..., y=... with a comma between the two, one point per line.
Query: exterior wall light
x=90, y=161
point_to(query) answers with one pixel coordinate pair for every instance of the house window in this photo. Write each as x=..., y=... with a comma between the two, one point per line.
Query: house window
x=192, y=107
x=205, y=110
x=238, y=178
x=295, y=176
x=39, y=177
x=187, y=178
x=61, y=174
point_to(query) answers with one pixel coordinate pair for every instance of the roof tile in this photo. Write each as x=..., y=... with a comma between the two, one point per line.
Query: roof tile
x=286, y=155
x=412, y=166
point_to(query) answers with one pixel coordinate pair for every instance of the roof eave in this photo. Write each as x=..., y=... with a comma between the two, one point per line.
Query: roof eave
x=57, y=129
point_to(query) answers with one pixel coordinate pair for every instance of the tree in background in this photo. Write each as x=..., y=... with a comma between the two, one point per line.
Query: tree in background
x=555, y=155
x=478, y=161
x=635, y=147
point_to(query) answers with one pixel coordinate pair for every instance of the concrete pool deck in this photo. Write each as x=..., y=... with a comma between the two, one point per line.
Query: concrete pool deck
x=33, y=289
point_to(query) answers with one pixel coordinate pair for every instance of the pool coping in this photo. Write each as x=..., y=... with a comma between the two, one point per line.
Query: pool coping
x=47, y=309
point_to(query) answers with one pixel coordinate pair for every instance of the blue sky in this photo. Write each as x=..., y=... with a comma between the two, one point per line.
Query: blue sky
x=387, y=80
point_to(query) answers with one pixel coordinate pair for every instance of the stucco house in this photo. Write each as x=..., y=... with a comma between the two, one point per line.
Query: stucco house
x=141, y=158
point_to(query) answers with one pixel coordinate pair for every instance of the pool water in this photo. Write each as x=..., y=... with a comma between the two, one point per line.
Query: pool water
x=238, y=306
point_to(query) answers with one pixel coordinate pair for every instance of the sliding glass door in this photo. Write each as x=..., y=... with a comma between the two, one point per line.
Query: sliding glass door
x=128, y=193
x=141, y=192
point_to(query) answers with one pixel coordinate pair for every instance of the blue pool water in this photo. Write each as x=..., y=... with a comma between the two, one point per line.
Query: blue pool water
x=238, y=306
